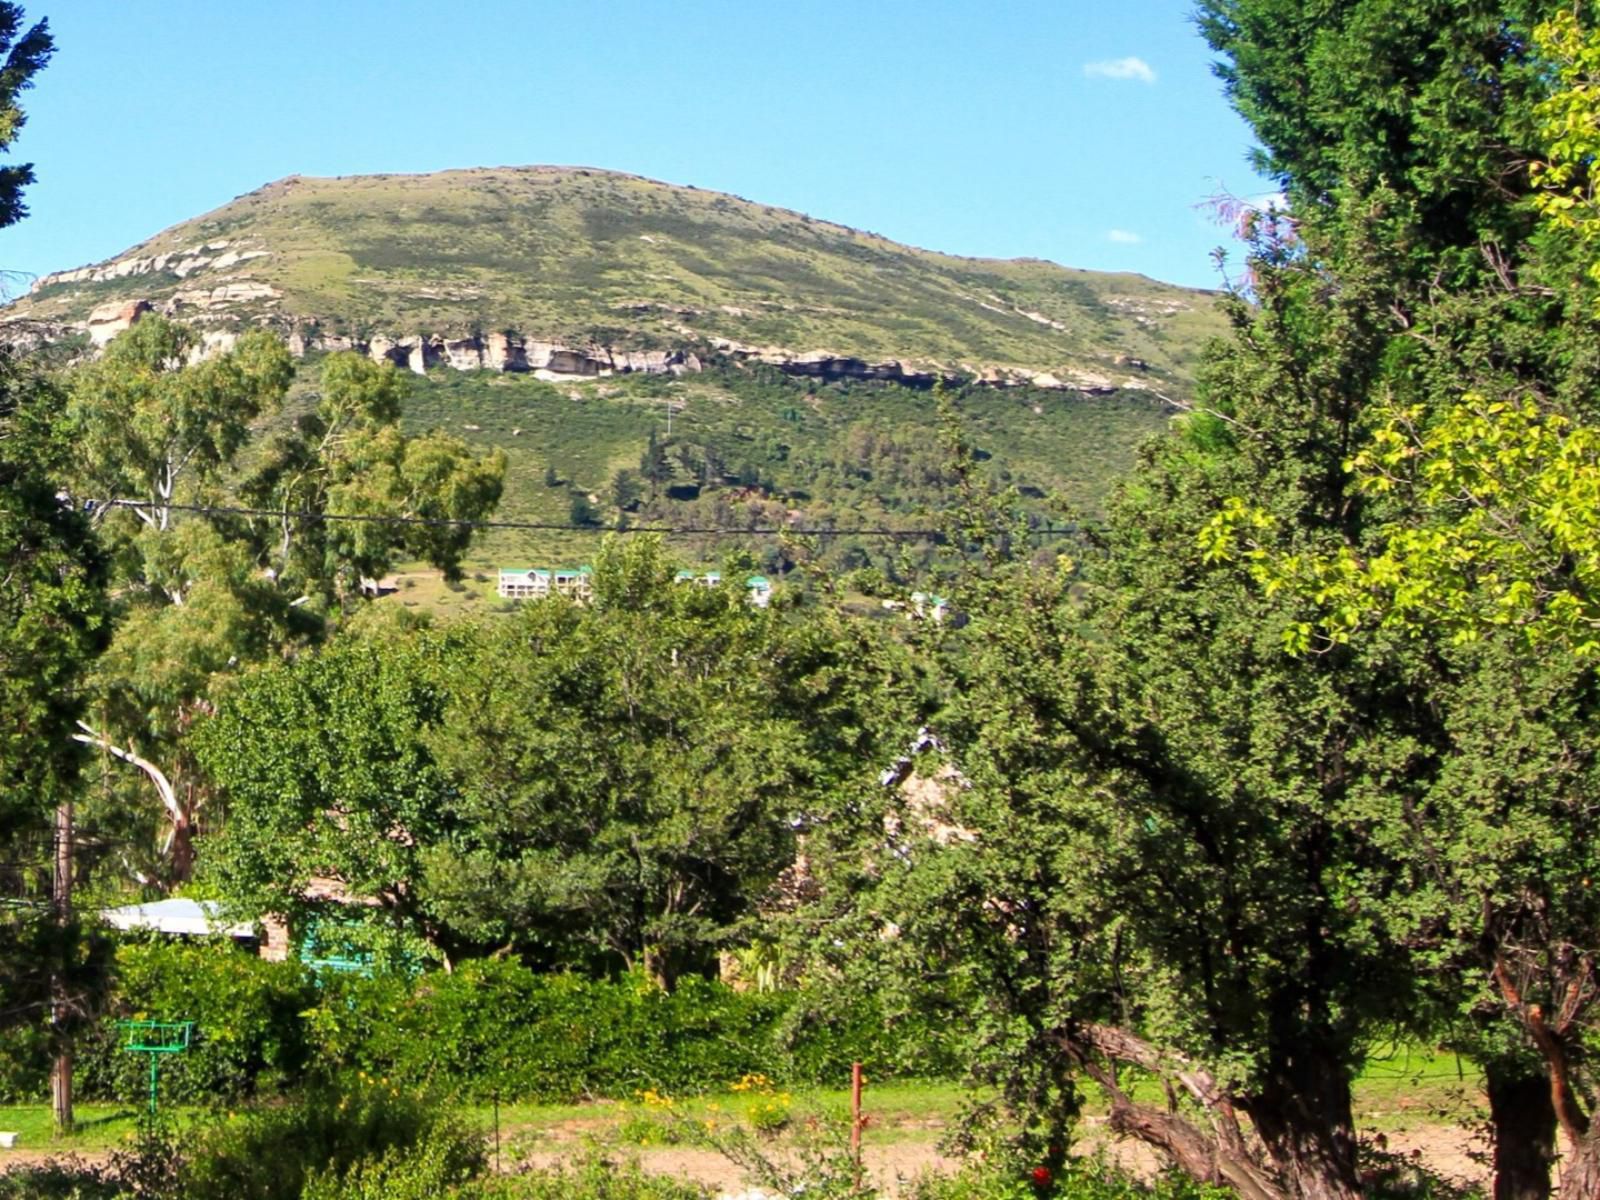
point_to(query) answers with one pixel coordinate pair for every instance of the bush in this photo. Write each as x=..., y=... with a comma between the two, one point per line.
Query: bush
x=825, y=1029
x=334, y=1144
x=66, y=1180
x=249, y=1035
x=495, y=1026
x=1080, y=1179
x=595, y=1179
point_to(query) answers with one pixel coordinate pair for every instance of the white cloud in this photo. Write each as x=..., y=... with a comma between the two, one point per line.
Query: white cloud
x=1123, y=237
x=1121, y=68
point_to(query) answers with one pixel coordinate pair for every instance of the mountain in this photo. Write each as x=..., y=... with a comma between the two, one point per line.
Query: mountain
x=647, y=354
x=575, y=272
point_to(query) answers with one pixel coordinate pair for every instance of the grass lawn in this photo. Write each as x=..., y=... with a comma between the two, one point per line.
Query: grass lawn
x=1402, y=1087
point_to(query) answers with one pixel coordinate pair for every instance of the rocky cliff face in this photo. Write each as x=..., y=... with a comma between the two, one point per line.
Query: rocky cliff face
x=515, y=352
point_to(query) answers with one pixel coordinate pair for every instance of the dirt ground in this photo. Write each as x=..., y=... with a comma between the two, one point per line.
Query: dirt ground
x=1453, y=1151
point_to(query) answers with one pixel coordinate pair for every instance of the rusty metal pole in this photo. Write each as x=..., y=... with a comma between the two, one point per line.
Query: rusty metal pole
x=61, y=902
x=855, y=1119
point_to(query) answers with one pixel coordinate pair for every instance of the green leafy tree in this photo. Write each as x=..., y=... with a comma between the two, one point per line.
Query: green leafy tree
x=26, y=49
x=612, y=782
x=1159, y=863
x=626, y=490
x=161, y=433
x=349, y=456
x=1431, y=100
x=1481, y=476
x=52, y=623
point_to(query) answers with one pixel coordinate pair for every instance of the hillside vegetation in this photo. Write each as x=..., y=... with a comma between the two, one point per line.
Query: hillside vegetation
x=590, y=257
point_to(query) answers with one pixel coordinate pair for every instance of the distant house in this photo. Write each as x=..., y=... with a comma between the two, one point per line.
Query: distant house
x=758, y=588
x=535, y=583
x=576, y=583
x=524, y=583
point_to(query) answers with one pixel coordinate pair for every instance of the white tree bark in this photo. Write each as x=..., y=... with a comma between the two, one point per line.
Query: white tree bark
x=163, y=785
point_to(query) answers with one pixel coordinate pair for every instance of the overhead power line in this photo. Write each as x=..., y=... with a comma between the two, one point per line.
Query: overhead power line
x=562, y=526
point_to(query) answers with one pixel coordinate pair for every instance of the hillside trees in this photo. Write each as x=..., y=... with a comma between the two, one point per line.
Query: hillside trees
x=162, y=438
x=614, y=783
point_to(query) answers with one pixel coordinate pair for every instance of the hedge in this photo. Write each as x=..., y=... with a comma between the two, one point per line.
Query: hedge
x=491, y=1027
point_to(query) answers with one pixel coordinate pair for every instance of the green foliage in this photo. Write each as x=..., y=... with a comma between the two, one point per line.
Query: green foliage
x=490, y=1027
x=53, y=611
x=250, y=1035
x=350, y=456
x=627, y=801
x=329, y=1143
x=433, y=1167
x=26, y=52
x=751, y=447
x=62, y=1179
x=1432, y=100
x=593, y=1178
x=494, y=1027
x=1011, y=1178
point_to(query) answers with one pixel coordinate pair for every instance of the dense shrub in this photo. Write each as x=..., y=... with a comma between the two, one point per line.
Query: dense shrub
x=495, y=1026
x=24, y=1064
x=249, y=1032
x=329, y=1140
x=490, y=1027
x=593, y=1179
x=65, y=1180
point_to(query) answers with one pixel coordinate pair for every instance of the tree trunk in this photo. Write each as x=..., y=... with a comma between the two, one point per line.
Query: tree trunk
x=660, y=969
x=1580, y=1173
x=1524, y=1123
x=182, y=849
x=60, y=1011
x=1303, y=1116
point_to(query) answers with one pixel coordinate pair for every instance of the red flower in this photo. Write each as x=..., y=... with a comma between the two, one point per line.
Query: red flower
x=1041, y=1176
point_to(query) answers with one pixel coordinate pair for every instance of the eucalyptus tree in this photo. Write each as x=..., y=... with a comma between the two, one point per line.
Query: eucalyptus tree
x=221, y=554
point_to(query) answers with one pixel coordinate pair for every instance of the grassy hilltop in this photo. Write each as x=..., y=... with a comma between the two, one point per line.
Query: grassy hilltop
x=594, y=256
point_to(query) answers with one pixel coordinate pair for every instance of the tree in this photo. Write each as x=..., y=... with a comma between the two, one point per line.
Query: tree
x=1482, y=551
x=1431, y=100
x=614, y=783
x=205, y=589
x=626, y=491
x=26, y=52
x=349, y=456
x=52, y=623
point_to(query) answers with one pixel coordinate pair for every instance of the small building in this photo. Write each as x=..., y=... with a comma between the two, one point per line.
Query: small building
x=758, y=588
x=524, y=583
x=535, y=583
x=575, y=583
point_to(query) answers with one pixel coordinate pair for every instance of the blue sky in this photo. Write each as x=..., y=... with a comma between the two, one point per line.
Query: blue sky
x=1072, y=130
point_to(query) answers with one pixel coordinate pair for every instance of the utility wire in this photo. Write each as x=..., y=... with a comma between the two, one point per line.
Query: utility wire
x=559, y=526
